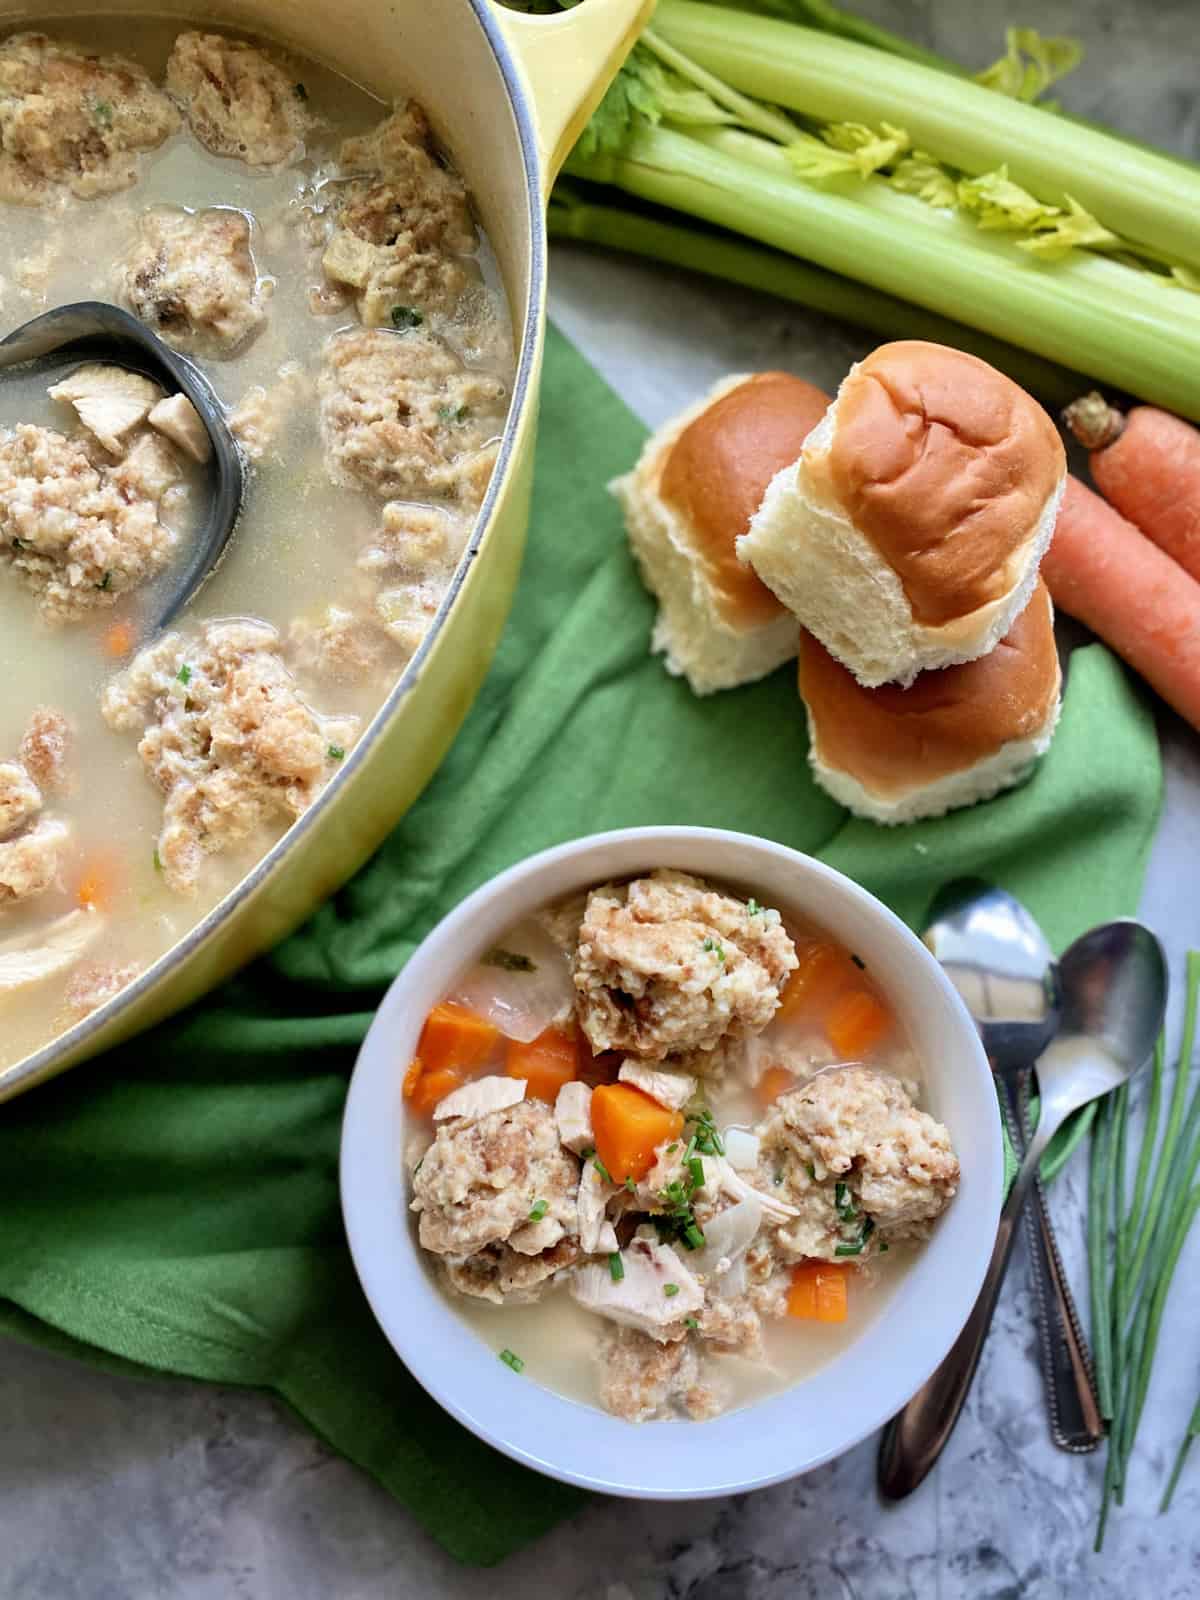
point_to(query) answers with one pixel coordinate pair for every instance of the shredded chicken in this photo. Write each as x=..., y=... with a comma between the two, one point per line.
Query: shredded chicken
x=78, y=531
x=191, y=276
x=237, y=100
x=72, y=122
x=402, y=418
x=670, y=1089
x=177, y=419
x=225, y=735
x=655, y=1291
x=573, y=1116
x=666, y=964
x=109, y=401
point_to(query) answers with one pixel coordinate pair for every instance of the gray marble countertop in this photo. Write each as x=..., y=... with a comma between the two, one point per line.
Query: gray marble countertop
x=112, y=1489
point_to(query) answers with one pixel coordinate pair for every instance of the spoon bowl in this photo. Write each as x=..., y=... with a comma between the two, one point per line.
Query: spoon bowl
x=91, y=330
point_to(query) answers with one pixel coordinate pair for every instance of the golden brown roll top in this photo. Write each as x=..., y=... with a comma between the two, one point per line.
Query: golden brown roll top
x=715, y=475
x=893, y=741
x=947, y=467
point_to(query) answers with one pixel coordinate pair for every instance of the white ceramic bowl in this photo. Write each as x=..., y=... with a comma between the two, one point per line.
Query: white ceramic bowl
x=778, y=1437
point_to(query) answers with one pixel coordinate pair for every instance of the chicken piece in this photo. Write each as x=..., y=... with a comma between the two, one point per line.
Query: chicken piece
x=338, y=643
x=670, y=1089
x=237, y=100
x=261, y=415
x=30, y=862
x=594, y=1194
x=191, y=276
x=45, y=747
x=480, y=1098
x=79, y=533
x=96, y=983
x=573, y=1116
x=499, y=1274
x=23, y=964
x=179, y=422
x=535, y=1238
x=20, y=798
x=224, y=733
x=109, y=401
x=480, y=1180
x=403, y=419
x=666, y=963
x=655, y=1292
x=857, y=1160
x=643, y=1380
x=72, y=122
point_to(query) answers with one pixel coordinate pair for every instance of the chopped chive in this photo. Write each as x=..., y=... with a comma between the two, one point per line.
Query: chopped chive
x=103, y=113
x=539, y=1210
x=158, y=866
x=811, y=1168
x=696, y=1168
x=453, y=413
x=601, y=1168
x=630, y=1185
x=883, y=1246
x=336, y=752
x=673, y=1146
x=299, y=90
x=670, y=1290
x=616, y=1267
x=407, y=317
x=849, y=1249
x=105, y=583
x=753, y=909
x=844, y=1201
x=511, y=1359
x=778, y=1179
x=690, y=1322
x=692, y=1237
x=20, y=544
x=715, y=949
x=507, y=960
x=184, y=675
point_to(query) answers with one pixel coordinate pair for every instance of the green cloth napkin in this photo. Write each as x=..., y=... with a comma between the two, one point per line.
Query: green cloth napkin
x=174, y=1206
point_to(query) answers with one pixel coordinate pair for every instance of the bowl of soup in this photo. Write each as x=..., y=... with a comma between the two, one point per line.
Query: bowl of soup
x=342, y=228
x=671, y=1163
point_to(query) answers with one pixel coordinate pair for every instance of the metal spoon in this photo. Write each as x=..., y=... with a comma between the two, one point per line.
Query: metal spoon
x=1113, y=984
x=998, y=958
x=90, y=330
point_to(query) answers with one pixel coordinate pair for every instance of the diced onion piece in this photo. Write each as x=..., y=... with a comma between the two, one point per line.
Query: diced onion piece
x=521, y=986
x=728, y=1236
x=741, y=1147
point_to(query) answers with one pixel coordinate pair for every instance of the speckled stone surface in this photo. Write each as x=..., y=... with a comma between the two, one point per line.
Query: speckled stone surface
x=117, y=1490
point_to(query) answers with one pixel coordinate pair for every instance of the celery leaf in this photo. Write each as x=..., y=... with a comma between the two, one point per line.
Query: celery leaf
x=998, y=202
x=846, y=148
x=925, y=176
x=1073, y=229
x=1030, y=64
x=630, y=99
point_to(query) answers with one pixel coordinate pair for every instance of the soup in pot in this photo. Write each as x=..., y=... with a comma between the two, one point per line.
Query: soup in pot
x=666, y=1152
x=313, y=251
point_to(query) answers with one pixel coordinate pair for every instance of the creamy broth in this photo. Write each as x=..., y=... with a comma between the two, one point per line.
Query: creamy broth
x=297, y=547
x=744, y=1085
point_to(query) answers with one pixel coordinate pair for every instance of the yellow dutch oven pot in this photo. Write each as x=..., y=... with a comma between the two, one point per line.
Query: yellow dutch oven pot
x=507, y=94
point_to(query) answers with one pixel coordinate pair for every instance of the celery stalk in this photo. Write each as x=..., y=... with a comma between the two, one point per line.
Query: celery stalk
x=725, y=256
x=1144, y=196
x=1087, y=313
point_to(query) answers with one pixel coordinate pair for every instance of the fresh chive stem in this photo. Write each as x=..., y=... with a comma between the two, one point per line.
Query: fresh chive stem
x=1133, y=1221
x=1098, y=1211
x=1193, y=1428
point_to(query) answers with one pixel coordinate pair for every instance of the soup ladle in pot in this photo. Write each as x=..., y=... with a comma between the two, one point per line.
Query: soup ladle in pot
x=91, y=330
x=1113, y=993
x=998, y=959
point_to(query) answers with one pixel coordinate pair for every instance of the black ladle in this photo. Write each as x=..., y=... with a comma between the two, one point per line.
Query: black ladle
x=90, y=330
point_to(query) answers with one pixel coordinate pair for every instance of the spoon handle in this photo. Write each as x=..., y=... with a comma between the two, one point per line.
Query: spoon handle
x=1075, y=1422
x=917, y=1435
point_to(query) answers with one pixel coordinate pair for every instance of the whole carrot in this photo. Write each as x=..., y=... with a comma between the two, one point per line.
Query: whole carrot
x=1146, y=464
x=1102, y=570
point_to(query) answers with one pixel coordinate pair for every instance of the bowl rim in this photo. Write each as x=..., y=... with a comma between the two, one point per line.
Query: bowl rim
x=30, y=1070
x=545, y=1430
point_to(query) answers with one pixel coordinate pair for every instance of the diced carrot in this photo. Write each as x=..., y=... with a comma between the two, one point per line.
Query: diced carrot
x=856, y=1022
x=99, y=883
x=119, y=639
x=818, y=1292
x=629, y=1127
x=824, y=971
x=456, y=1038
x=774, y=1082
x=412, y=1077
x=1101, y=569
x=546, y=1063
x=433, y=1087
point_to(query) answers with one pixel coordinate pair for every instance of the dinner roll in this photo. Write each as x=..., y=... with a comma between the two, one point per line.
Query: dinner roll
x=955, y=736
x=699, y=481
x=908, y=534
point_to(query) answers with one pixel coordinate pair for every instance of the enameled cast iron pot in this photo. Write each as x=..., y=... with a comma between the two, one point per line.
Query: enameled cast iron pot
x=507, y=94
